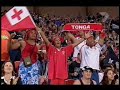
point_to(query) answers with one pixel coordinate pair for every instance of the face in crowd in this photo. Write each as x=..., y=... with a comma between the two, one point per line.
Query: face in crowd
x=7, y=68
x=87, y=74
x=90, y=42
x=57, y=42
x=110, y=74
x=32, y=35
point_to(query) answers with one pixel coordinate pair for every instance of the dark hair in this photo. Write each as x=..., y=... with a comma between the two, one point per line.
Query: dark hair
x=105, y=78
x=2, y=71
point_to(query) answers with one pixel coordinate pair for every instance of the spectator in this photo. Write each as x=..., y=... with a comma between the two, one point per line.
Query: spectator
x=52, y=26
x=110, y=57
x=8, y=76
x=15, y=55
x=44, y=63
x=90, y=53
x=56, y=53
x=29, y=52
x=109, y=77
x=74, y=69
x=86, y=79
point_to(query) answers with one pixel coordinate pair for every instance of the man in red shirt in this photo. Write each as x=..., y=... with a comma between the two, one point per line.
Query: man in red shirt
x=57, y=56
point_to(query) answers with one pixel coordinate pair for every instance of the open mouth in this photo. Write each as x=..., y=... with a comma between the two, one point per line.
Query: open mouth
x=58, y=43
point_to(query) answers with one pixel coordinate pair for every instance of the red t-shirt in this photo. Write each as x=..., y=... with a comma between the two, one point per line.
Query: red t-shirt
x=58, y=67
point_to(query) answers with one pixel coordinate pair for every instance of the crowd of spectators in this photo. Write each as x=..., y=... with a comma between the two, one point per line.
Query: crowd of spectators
x=52, y=26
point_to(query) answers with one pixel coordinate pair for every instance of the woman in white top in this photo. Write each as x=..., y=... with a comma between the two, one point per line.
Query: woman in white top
x=8, y=75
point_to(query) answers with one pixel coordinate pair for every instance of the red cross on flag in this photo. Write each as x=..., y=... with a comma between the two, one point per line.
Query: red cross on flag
x=16, y=19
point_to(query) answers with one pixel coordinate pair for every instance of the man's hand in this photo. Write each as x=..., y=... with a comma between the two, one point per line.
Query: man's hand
x=41, y=33
x=12, y=35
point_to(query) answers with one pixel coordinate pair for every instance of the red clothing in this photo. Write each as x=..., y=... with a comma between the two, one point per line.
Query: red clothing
x=58, y=67
x=62, y=39
x=5, y=45
x=57, y=82
x=28, y=50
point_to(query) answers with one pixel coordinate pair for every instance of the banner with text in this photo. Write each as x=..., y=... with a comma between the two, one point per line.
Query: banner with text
x=83, y=27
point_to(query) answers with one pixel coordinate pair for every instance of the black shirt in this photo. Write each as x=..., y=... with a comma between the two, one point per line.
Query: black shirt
x=91, y=82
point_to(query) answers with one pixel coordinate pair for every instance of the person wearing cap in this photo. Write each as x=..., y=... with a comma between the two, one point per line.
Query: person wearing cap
x=90, y=51
x=58, y=56
x=86, y=79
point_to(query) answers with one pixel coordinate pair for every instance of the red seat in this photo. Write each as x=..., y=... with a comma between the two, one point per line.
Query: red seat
x=17, y=63
x=69, y=82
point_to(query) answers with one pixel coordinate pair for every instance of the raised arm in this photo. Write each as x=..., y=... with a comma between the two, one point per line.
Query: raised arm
x=101, y=40
x=75, y=41
x=43, y=36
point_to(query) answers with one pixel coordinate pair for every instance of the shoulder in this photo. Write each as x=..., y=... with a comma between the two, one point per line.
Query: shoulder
x=22, y=43
x=50, y=46
x=69, y=46
x=77, y=82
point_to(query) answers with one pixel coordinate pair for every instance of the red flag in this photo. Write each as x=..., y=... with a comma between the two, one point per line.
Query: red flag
x=16, y=19
x=83, y=26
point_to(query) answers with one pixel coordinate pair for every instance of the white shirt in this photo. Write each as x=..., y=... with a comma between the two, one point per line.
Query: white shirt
x=100, y=76
x=89, y=56
x=77, y=48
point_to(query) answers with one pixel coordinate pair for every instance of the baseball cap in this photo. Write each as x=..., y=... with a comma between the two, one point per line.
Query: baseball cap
x=87, y=68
